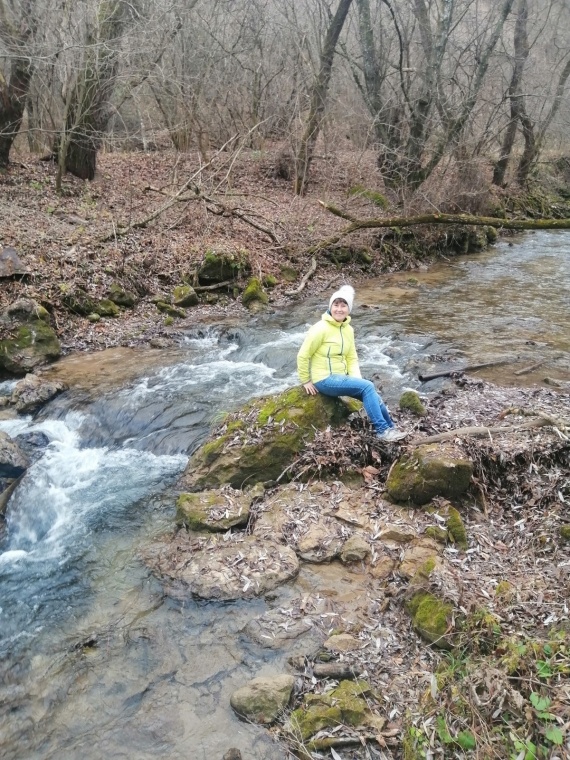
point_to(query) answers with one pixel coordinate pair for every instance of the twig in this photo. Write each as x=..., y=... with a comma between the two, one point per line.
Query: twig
x=306, y=278
x=468, y=368
x=215, y=286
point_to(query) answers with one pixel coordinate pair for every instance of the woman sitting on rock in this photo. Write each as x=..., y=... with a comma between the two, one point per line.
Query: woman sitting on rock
x=327, y=363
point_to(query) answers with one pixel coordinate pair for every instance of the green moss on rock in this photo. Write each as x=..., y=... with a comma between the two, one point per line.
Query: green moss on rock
x=185, y=296
x=430, y=618
x=254, y=293
x=430, y=470
x=28, y=346
x=410, y=400
x=565, y=532
x=218, y=266
x=456, y=528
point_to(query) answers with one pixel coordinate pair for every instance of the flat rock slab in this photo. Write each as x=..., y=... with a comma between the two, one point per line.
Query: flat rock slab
x=239, y=568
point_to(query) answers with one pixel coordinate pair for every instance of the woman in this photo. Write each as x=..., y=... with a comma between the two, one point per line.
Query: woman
x=327, y=363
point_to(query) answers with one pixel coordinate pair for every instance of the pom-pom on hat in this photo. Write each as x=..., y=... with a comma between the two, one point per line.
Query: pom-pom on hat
x=346, y=292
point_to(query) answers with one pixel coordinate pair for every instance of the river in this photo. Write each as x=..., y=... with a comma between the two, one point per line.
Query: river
x=95, y=660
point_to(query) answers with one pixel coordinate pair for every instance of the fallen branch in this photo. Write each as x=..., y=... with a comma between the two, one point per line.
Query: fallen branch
x=536, y=365
x=215, y=286
x=306, y=278
x=468, y=368
x=411, y=221
x=481, y=432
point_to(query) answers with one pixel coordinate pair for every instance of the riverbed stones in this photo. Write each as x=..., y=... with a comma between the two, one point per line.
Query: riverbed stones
x=429, y=470
x=217, y=510
x=263, y=699
x=224, y=569
x=33, y=391
x=258, y=443
x=13, y=461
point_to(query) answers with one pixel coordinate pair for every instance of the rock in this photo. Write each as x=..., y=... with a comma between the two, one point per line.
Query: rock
x=27, y=340
x=421, y=551
x=254, y=295
x=185, y=296
x=263, y=700
x=347, y=704
x=32, y=392
x=219, y=266
x=319, y=541
x=78, y=301
x=224, y=570
x=259, y=442
x=13, y=461
x=32, y=444
x=354, y=549
x=10, y=263
x=232, y=754
x=106, y=308
x=121, y=297
x=428, y=471
x=564, y=532
x=342, y=642
x=27, y=309
x=7, y=488
x=216, y=511
x=410, y=400
x=172, y=311
x=431, y=617
x=382, y=568
x=397, y=534
x=93, y=318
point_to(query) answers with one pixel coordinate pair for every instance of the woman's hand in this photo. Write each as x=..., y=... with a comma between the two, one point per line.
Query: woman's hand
x=310, y=388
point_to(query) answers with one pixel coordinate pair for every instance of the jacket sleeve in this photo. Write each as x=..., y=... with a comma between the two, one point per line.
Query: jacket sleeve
x=352, y=360
x=313, y=340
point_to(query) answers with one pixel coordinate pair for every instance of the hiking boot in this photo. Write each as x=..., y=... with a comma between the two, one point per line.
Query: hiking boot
x=392, y=435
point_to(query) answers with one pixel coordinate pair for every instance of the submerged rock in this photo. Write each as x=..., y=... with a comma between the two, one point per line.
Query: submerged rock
x=264, y=699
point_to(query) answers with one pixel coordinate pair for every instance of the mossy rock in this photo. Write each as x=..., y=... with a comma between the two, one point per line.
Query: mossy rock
x=428, y=471
x=93, y=318
x=185, y=296
x=431, y=618
x=288, y=274
x=26, y=310
x=344, y=705
x=219, y=266
x=265, y=435
x=263, y=699
x=78, y=301
x=107, y=308
x=171, y=311
x=410, y=400
x=269, y=281
x=121, y=297
x=565, y=532
x=456, y=528
x=254, y=294
x=438, y=534
x=216, y=511
x=27, y=346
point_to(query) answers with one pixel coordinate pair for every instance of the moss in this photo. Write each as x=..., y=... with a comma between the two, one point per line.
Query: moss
x=371, y=195
x=289, y=274
x=307, y=722
x=411, y=401
x=456, y=528
x=30, y=344
x=218, y=266
x=430, y=617
x=106, y=308
x=437, y=533
x=184, y=295
x=504, y=589
x=269, y=281
x=254, y=292
x=427, y=472
x=171, y=311
x=565, y=532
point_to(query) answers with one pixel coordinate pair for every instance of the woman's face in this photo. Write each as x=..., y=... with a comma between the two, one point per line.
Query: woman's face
x=339, y=310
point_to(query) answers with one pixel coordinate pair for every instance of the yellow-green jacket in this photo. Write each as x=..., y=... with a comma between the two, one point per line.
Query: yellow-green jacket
x=328, y=349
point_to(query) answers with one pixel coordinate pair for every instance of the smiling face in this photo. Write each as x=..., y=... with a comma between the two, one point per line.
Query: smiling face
x=339, y=310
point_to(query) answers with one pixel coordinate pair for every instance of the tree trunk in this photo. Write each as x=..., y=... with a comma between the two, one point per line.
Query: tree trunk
x=521, y=51
x=318, y=99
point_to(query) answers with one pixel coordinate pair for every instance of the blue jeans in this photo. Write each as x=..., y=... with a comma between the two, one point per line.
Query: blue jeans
x=363, y=390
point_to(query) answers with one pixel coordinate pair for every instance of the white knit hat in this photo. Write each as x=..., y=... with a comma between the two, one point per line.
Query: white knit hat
x=346, y=292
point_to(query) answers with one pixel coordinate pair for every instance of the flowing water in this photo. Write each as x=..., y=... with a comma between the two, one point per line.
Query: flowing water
x=95, y=661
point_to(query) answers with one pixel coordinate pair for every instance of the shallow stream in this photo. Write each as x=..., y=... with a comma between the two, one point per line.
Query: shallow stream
x=94, y=660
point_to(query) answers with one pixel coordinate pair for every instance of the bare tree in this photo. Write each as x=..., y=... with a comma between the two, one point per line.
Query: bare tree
x=17, y=27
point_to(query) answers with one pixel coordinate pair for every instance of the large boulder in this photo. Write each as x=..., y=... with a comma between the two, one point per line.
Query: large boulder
x=259, y=442
x=26, y=339
x=428, y=471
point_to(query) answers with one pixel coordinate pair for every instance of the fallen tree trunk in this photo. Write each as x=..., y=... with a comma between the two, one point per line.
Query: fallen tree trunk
x=536, y=365
x=481, y=432
x=468, y=368
x=411, y=221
